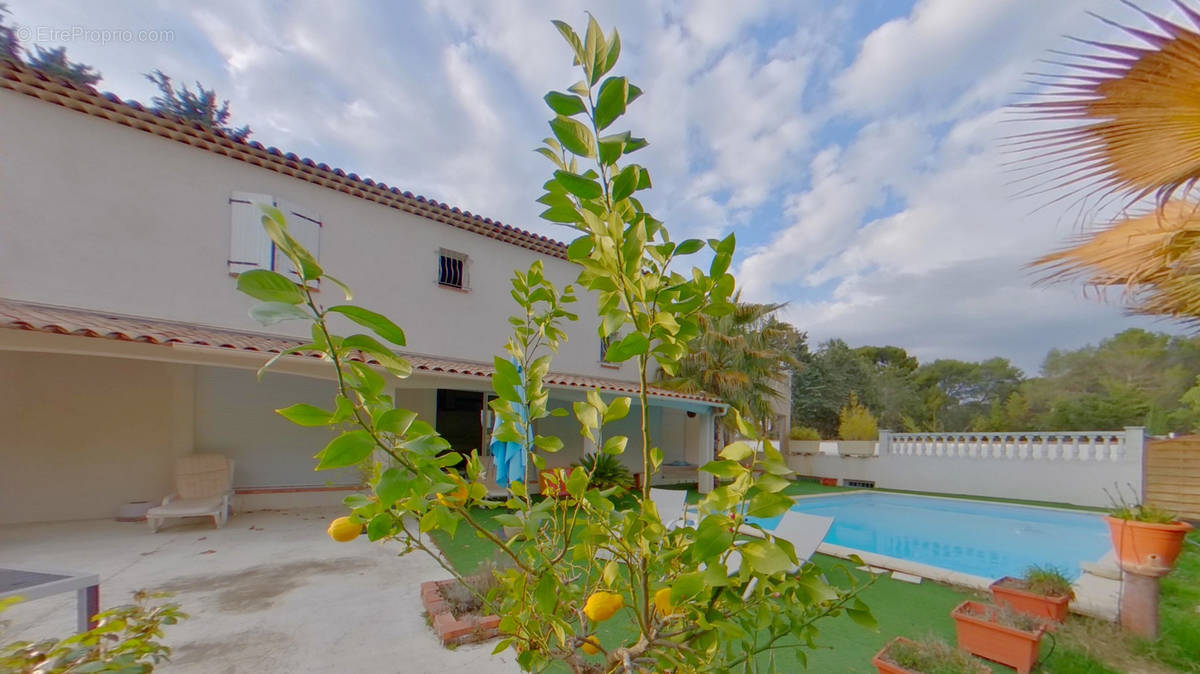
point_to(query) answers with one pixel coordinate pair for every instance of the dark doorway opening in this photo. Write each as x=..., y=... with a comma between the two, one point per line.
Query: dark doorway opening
x=460, y=419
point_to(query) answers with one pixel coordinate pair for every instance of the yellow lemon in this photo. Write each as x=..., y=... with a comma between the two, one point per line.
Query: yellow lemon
x=343, y=530
x=602, y=605
x=591, y=646
x=662, y=602
x=456, y=497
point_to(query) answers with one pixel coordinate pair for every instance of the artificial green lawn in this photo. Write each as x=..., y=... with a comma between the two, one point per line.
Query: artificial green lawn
x=905, y=609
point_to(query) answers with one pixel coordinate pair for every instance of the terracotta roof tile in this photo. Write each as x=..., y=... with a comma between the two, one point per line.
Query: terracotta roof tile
x=23, y=79
x=96, y=324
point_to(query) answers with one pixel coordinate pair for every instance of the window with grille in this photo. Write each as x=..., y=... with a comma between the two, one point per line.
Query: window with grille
x=452, y=269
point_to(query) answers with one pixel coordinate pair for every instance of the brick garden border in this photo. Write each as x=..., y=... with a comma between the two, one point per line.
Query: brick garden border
x=454, y=631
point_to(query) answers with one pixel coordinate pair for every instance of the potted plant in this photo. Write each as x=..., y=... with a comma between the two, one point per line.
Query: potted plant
x=999, y=634
x=804, y=440
x=1144, y=536
x=928, y=656
x=1042, y=592
x=457, y=612
x=857, y=430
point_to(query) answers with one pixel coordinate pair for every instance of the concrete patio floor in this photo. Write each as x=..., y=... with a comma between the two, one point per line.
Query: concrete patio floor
x=268, y=593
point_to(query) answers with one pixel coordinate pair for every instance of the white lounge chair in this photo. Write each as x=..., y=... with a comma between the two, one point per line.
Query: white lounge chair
x=805, y=533
x=672, y=506
x=203, y=488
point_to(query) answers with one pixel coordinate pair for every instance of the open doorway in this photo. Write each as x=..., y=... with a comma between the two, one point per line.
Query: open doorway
x=460, y=420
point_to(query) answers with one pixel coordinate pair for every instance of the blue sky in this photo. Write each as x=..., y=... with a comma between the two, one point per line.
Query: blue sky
x=852, y=146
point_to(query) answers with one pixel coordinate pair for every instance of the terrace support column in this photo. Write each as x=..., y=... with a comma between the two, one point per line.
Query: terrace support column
x=707, y=430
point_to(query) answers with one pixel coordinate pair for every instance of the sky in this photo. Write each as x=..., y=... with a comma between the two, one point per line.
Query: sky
x=854, y=147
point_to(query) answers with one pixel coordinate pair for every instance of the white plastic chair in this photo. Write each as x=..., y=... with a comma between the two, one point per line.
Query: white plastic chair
x=805, y=533
x=672, y=506
x=203, y=488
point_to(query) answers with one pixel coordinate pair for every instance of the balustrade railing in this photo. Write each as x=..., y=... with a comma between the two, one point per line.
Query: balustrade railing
x=1099, y=446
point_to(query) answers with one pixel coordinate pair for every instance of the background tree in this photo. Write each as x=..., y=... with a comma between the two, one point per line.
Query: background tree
x=55, y=62
x=195, y=106
x=741, y=358
x=822, y=386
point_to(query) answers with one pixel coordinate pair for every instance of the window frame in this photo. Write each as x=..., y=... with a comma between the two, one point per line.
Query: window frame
x=464, y=270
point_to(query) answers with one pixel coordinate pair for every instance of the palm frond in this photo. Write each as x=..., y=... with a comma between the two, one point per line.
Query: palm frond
x=1126, y=120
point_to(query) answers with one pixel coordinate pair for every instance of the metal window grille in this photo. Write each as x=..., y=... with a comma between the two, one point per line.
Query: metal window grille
x=865, y=484
x=452, y=269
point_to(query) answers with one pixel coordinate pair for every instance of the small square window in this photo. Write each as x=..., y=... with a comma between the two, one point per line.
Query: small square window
x=452, y=269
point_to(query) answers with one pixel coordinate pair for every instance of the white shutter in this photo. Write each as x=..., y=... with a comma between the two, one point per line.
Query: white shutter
x=305, y=227
x=249, y=245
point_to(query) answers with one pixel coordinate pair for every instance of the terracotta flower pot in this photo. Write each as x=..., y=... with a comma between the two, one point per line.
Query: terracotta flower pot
x=882, y=666
x=1010, y=591
x=1146, y=544
x=981, y=635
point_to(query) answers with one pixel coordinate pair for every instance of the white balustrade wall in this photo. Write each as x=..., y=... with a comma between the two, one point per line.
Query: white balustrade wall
x=1042, y=466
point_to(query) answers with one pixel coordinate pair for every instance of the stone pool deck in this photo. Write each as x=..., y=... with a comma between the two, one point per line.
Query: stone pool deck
x=268, y=593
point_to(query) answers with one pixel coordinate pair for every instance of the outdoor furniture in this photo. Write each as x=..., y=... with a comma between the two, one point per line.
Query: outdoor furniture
x=672, y=506
x=805, y=533
x=29, y=584
x=203, y=488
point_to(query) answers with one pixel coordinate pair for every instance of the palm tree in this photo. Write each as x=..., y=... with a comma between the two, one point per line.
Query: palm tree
x=744, y=358
x=1125, y=131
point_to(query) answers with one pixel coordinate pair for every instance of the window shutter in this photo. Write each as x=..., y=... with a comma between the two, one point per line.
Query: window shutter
x=249, y=245
x=305, y=227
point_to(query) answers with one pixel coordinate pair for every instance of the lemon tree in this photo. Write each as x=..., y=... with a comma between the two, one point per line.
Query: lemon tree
x=586, y=557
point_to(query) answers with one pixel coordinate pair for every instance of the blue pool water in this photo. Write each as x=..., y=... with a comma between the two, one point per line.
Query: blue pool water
x=976, y=537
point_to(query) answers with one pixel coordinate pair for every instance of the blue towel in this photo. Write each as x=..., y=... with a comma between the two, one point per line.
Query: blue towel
x=510, y=456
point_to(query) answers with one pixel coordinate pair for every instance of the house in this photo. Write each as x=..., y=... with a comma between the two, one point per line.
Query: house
x=124, y=344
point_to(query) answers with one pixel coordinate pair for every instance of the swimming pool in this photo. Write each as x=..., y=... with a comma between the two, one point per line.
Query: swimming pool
x=973, y=537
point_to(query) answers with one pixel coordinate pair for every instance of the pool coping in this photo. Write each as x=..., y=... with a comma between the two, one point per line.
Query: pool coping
x=1089, y=599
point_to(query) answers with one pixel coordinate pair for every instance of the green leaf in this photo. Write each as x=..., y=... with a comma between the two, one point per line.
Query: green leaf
x=712, y=538
x=269, y=286
x=270, y=313
x=625, y=182
x=546, y=592
x=724, y=469
x=565, y=104
x=768, y=504
x=634, y=344
x=615, y=444
x=618, y=409
x=610, y=102
x=687, y=586
x=548, y=443
x=577, y=482
x=584, y=188
x=737, y=451
x=860, y=614
x=574, y=136
x=347, y=449
x=382, y=325
x=772, y=483
x=392, y=486
x=395, y=421
x=303, y=414
x=380, y=353
x=380, y=526
x=765, y=557
x=689, y=246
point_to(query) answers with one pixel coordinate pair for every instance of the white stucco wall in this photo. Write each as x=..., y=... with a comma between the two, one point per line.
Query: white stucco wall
x=98, y=215
x=235, y=417
x=83, y=435
x=1060, y=481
